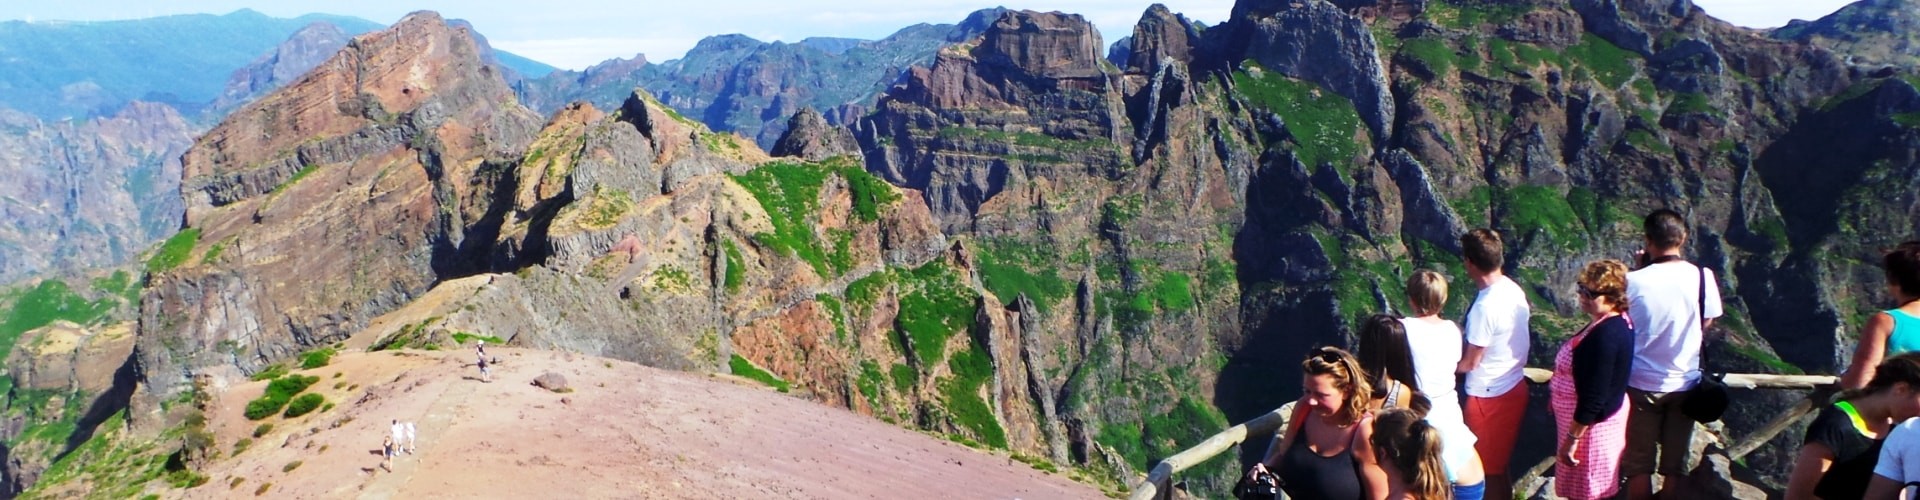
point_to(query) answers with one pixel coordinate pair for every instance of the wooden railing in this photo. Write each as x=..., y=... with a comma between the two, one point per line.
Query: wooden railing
x=1159, y=480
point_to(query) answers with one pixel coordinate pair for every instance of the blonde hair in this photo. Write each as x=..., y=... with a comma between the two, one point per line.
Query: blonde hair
x=1402, y=438
x=1607, y=278
x=1347, y=375
x=1426, y=292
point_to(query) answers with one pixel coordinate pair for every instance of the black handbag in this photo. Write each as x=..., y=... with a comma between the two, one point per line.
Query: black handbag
x=1708, y=400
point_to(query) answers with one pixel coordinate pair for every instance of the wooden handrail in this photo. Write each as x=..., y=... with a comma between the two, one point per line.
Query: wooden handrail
x=1155, y=485
x=1162, y=473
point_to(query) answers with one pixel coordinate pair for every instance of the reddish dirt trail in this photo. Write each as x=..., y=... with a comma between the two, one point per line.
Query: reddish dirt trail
x=627, y=431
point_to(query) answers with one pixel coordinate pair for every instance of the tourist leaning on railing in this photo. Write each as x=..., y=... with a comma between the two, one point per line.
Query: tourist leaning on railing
x=1589, y=388
x=1323, y=452
x=1494, y=359
x=1409, y=451
x=1896, y=330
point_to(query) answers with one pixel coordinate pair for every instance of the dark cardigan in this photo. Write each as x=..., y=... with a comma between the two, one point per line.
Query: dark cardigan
x=1600, y=366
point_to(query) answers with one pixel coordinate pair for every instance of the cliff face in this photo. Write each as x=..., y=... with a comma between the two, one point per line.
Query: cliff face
x=1868, y=33
x=87, y=193
x=344, y=195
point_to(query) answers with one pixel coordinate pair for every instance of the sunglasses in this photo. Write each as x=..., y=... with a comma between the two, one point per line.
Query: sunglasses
x=1588, y=293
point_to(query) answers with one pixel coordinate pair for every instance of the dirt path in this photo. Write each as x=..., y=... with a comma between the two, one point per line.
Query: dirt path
x=627, y=431
x=439, y=418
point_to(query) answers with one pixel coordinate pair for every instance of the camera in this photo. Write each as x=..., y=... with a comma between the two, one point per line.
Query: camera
x=1263, y=485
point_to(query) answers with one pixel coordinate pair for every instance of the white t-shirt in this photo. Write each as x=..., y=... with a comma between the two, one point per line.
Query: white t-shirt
x=1900, y=455
x=1498, y=322
x=1436, y=352
x=1664, y=302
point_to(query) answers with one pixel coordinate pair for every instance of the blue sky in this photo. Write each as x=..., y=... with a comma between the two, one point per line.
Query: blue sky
x=574, y=34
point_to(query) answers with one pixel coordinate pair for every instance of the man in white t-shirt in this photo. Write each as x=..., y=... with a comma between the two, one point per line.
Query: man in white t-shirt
x=1495, y=357
x=1672, y=304
x=1899, y=463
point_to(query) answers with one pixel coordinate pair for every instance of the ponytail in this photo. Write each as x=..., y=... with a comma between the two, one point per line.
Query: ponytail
x=1412, y=446
x=1904, y=368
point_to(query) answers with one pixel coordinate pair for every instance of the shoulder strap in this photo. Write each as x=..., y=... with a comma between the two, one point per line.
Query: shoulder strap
x=1702, y=311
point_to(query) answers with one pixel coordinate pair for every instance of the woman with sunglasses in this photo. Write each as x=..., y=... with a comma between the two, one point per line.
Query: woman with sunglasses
x=1324, y=453
x=1590, y=387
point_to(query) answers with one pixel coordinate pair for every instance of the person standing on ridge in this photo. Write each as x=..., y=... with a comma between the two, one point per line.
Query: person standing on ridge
x=1893, y=331
x=480, y=351
x=1494, y=359
x=1674, y=302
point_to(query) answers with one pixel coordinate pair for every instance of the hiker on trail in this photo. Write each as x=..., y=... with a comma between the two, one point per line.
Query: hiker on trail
x=480, y=350
x=1842, y=446
x=1896, y=330
x=398, y=433
x=1324, y=451
x=1590, y=388
x=1494, y=359
x=387, y=452
x=412, y=435
x=1409, y=450
x=1674, y=302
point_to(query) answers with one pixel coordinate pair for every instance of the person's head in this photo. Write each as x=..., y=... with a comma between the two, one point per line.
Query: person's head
x=1603, y=287
x=1903, y=272
x=1408, y=444
x=1483, y=251
x=1899, y=378
x=1384, y=352
x=1665, y=229
x=1426, y=292
x=396, y=421
x=1334, y=385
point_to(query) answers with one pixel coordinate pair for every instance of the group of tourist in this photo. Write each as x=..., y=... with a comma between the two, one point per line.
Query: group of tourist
x=1385, y=422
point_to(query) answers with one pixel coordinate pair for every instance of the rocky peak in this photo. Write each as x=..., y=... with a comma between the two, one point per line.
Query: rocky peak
x=1159, y=38
x=976, y=23
x=294, y=57
x=375, y=79
x=809, y=136
x=1317, y=42
x=1867, y=32
x=1050, y=45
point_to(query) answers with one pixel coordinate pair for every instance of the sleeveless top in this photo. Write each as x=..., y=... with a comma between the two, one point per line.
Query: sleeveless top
x=1906, y=333
x=1305, y=474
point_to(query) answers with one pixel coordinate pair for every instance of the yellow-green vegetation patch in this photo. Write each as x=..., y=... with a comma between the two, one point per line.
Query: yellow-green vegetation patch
x=736, y=267
x=297, y=175
x=863, y=293
x=214, y=252
x=414, y=336
x=746, y=369
x=871, y=382
x=1433, y=53
x=465, y=338
x=279, y=392
x=935, y=303
x=115, y=468
x=790, y=195
x=304, y=404
x=1009, y=269
x=271, y=372
x=1322, y=123
x=174, y=251
x=316, y=358
x=606, y=208
x=672, y=278
x=52, y=300
x=1611, y=65
x=972, y=369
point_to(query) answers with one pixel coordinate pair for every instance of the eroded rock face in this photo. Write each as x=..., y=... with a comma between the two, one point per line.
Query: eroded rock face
x=338, y=198
x=809, y=136
x=88, y=193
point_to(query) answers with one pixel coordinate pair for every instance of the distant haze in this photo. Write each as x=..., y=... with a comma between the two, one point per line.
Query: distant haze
x=577, y=34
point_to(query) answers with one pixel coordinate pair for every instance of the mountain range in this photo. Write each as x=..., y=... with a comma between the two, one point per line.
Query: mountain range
x=1029, y=241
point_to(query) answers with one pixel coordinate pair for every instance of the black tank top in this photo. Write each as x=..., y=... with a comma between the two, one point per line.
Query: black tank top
x=1309, y=475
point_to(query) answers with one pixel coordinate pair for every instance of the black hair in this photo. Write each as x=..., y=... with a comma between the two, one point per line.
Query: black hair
x=1384, y=352
x=1665, y=228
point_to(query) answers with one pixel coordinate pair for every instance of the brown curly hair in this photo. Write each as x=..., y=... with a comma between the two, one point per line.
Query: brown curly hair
x=1347, y=375
x=1606, y=278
